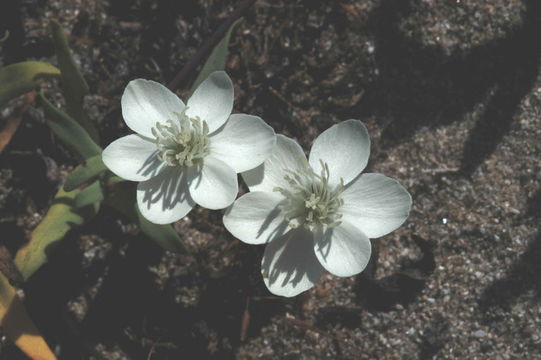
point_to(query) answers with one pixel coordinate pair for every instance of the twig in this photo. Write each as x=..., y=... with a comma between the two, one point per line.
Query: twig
x=151, y=352
x=307, y=326
x=284, y=100
x=209, y=45
x=245, y=321
x=440, y=170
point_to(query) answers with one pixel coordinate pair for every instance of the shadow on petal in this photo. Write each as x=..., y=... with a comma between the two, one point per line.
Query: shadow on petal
x=277, y=231
x=152, y=166
x=195, y=175
x=323, y=246
x=256, y=217
x=169, y=188
x=289, y=265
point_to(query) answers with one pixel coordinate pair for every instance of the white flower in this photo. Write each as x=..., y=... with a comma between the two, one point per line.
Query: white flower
x=318, y=214
x=183, y=155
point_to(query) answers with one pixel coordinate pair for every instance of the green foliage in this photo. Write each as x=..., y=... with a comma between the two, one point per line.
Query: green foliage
x=5, y=37
x=20, y=78
x=217, y=58
x=18, y=326
x=74, y=205
x=74, y=86
x=88, y=171
x=164, y=235
x=60, y=218
x=92, y=194
x=69, y=131
x=70, y=208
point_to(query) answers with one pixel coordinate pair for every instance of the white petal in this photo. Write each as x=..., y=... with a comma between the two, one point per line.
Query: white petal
x=132, y=157
x=212, y=101
x=343, y=250
x=146, y=102
x=345, y=148
x=255, y=217
x=376, y=204
x=164, y=198
x=289, y=266
x=287, y=154
x=243, y=143
x=214, y=184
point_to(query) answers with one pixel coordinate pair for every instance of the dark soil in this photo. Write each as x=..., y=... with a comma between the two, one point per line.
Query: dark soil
x=451, y=94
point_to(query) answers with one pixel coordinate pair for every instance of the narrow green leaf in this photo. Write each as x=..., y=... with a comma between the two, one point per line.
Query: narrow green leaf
x=122, y=199
x=74, y=86
x=69, y=131
x=60, y=218
x=217, y=58
x=92, y=194
x=164, y=235
x=5, y=37
x=115, y=180
x=88, y=171
x=18, y=326
x=20, y=78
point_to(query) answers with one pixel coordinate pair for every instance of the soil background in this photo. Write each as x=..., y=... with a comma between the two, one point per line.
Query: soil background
x=451, y=94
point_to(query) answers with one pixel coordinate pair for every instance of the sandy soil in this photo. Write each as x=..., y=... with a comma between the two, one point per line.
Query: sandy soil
x=451, y=94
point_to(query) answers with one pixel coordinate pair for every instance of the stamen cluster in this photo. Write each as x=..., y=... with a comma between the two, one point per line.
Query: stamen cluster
x=311, y=201
x=184, y=142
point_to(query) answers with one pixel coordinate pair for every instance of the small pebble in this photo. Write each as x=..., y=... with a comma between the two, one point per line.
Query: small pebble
x=479, y=333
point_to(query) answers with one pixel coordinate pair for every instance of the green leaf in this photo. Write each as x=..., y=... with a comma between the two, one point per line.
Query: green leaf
x=92, y=194
x=164, y=235
x=18, y=326
x=115, y=180
x=122, y=200
x=74, y=86
x=20, y=78
x=69, y=131
x=5, y=37
x=69, y=208
x=88, y=171
x=60, y=218
x=217, y=58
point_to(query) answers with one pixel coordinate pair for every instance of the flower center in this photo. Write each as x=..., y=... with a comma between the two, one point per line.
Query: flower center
x=184, y=142
x=311, y=201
